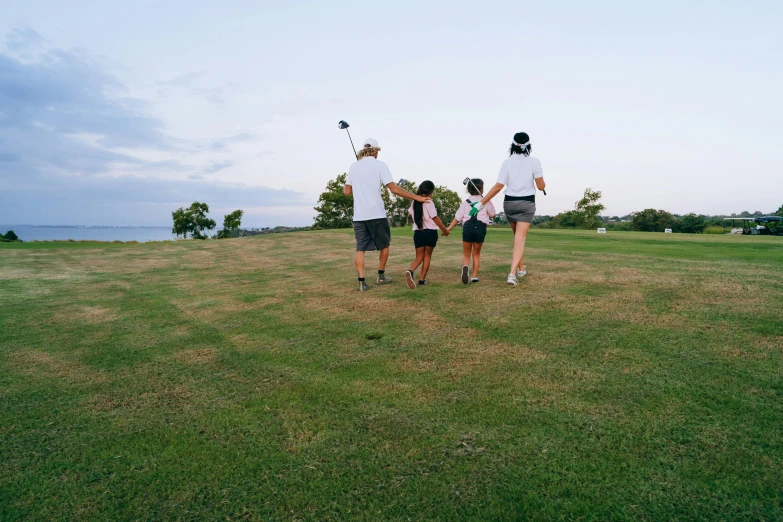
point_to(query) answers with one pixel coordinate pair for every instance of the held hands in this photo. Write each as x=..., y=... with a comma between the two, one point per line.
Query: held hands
x=475, y=208
x=445, y=232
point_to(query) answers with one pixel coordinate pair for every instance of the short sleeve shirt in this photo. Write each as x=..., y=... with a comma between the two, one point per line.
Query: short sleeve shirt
x=428, y=214
x=484, y=215
x=518, y=174
x=366, y=177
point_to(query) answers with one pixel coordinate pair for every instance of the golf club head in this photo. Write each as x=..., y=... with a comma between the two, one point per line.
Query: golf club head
x=466, y=181
x=401, y=182
x=342, y=124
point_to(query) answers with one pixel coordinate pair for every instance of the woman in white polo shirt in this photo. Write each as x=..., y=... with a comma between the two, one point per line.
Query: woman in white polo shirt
x=520, y=174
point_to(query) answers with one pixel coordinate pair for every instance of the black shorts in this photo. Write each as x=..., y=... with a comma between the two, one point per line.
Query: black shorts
x=373, y=234
x=474, y=231
x=425, y=238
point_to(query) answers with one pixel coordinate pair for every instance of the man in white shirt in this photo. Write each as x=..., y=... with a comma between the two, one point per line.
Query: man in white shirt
x=370, y=223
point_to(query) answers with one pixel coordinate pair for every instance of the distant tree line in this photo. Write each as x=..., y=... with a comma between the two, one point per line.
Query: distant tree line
x=653, y=220
x=9, y=237
x=335, y=209
x=193, y=220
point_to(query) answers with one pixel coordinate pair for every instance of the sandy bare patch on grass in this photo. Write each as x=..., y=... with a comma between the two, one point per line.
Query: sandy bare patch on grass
x=161, y=396
x=352, y=305
x=219, y=308
x=748, y=351
x=84, y=315
x=724, y=290
x=457, y=351
x=42, y=366
x=95, y=314
x=197, y=356
x=469, y=357
x=771, y=343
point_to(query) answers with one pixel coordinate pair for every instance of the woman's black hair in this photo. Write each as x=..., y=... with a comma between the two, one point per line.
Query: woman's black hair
x=425, y=189
x=520, y=137
x=478, y=189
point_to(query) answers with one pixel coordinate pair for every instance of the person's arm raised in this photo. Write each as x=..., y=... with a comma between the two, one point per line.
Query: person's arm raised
x=399, y=191
x=478, y=205
x=492, y=193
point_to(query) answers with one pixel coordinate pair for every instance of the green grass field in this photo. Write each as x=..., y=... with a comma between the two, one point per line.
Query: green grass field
x=629, y=377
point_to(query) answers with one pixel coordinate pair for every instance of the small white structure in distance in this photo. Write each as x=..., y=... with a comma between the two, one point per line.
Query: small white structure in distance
x=602, y=231
x=667, y=231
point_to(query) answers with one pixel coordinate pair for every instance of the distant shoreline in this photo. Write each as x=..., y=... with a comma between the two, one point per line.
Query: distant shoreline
x=85, y=226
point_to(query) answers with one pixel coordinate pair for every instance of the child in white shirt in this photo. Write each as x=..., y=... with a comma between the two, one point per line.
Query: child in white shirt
x=474, y=229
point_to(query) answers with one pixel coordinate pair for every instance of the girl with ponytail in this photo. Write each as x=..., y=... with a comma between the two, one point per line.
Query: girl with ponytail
x=425, y=233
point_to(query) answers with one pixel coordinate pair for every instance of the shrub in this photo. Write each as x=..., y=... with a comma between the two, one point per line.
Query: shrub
x=714, y=230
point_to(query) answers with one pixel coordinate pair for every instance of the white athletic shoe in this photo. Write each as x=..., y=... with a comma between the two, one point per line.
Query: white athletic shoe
x=512, y=280
x=523, y=272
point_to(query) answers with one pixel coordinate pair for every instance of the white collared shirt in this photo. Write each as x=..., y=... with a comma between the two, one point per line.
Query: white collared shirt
x=365, y=178
x=518, y=174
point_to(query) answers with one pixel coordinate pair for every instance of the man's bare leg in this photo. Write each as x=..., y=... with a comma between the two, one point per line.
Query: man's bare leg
x=358, y=261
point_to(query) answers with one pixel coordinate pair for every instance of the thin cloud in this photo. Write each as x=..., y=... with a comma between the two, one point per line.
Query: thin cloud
x=65, y=135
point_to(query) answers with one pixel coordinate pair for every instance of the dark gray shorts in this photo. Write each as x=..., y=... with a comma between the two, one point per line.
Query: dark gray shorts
x=519, y=211
x=373, y=234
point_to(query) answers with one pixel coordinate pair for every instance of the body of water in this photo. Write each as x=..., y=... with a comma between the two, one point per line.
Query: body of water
x=44, y=233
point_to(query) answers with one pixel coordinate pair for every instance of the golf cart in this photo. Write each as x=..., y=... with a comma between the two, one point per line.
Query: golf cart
x=739, y=225
x=769, y=225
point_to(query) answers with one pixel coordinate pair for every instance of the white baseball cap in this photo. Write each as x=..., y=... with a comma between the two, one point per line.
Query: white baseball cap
x=371, y=142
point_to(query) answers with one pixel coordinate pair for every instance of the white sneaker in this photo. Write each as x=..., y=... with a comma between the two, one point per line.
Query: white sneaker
x=512, y=280
x=523, y=272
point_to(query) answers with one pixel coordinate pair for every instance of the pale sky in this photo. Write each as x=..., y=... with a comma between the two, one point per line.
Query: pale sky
x=117, y=113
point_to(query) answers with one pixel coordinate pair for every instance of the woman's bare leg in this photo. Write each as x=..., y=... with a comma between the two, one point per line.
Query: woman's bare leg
x=520, y=234
x=514, y=230
x=476, y=258
x=427, y=258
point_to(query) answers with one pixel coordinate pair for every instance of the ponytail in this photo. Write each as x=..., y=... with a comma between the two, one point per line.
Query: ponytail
x=425, y=189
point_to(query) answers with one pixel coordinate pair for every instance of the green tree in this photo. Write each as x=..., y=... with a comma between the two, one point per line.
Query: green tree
x=585, y=213
x=231, y=224
x=180, y=227
x=692, y=224
x=10, y=236
x=200, y=224
x=651, y=220
x=335, y=209
x=780, y=211
x=568, y=219
x=589, y=207
x=447, y=203
x=192, y=220
x=397, y=207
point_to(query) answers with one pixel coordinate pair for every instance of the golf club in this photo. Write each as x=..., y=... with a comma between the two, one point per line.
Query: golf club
x=468, y=180
x=342, y=124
